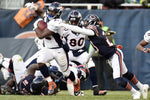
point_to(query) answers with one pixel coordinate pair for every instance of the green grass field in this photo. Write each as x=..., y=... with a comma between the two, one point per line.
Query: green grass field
x=63, y=95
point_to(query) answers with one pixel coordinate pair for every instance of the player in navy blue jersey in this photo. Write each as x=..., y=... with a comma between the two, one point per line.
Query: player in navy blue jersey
x=110, y=52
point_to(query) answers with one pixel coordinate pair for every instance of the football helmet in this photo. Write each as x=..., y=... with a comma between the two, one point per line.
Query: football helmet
x=56, y=8
x=91, y=19
x=83, y=72
x=37, y=85
x=74, y=16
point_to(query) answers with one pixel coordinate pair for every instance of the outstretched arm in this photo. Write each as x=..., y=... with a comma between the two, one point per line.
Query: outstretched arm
x=78, y=29
x=141, y=45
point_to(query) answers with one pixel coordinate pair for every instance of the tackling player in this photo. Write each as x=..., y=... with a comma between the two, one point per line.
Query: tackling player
x=114, y=55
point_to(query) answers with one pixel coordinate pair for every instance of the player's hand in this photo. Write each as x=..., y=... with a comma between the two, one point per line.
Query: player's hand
x=146, y=50
x=31, y=6
x=35, y=23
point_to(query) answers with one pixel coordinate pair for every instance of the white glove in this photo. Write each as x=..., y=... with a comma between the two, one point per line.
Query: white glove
x=31, y=6
x=36, y=22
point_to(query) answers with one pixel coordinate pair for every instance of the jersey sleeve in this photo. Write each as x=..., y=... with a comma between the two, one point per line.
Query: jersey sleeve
x=54, y=28
x=147, y=36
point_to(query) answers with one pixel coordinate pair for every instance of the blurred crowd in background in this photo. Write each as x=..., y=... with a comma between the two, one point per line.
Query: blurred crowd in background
x=107, y=4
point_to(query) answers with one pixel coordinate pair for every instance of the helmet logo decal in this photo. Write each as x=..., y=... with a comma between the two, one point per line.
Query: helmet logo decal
x=92, y=17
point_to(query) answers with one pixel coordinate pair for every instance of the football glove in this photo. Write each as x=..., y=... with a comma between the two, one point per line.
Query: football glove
x=146, y=50
x=31, y=6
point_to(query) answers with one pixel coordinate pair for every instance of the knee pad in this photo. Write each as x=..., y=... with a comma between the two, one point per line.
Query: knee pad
x=121, y=82
x=128, y=75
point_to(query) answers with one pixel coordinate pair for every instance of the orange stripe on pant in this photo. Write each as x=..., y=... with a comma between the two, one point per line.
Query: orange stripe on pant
x=120, y=62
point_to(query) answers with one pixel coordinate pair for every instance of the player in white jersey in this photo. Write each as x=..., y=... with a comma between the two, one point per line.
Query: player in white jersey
x=77, y=50
x=53, y=45
x=141, y=45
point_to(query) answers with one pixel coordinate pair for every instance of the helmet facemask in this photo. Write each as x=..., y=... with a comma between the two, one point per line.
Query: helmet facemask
x=54, y=10
x=75, y=18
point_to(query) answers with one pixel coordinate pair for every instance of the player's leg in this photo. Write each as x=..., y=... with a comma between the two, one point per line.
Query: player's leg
x=45, y=55
x=93, y=77
x=63, y=62
x=118, y=69
x=142, y=87
x=18, y=67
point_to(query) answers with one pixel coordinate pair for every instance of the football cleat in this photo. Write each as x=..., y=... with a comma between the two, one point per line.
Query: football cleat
x=70, y=87
x=77, y=87
x=136, y=95
x=51, y=88
x=144, y=91
x=96, y=91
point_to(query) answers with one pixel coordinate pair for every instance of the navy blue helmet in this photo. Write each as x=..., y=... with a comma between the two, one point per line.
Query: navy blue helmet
x=56, y=8
x=37, y=85
x=91, y=19
x=75, y=16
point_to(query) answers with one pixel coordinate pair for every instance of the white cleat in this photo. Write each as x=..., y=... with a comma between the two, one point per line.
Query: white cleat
x=136, y=95
x=1, y=58
x=144, y=91
x=5, y=73
x=70, y=87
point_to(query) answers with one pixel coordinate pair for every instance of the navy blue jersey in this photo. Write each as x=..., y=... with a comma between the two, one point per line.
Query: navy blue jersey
x=100, y=42
x=24, y=87
x=24, y=84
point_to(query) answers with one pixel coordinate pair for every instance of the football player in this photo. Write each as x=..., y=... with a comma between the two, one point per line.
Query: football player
x=141, y=45
x=77, y=50
x=114, y=55
x=53, y=45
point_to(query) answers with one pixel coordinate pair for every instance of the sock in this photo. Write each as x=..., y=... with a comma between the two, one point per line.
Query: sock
x=44, y=71
x=128, y=86
x=49, y=79
x=1, y=66
x=93, y=76
x=139, y=85
x=71, y=76
x=133, y=90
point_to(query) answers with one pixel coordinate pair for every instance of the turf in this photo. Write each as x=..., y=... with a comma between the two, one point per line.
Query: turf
x=63, y=95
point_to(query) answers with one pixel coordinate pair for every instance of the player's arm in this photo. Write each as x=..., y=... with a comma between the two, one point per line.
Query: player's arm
x=40, y=12
x=42, y=34
x=141, y=45
x=41, y=29
x=78, y=29
x=74, y=28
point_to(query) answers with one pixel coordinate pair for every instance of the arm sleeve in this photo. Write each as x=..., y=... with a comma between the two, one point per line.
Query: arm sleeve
x=79, y=30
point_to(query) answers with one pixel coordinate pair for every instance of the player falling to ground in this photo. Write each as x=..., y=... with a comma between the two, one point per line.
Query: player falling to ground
x=114, y=55
x=53, y=45
x=23, y=78
x=77, y=50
